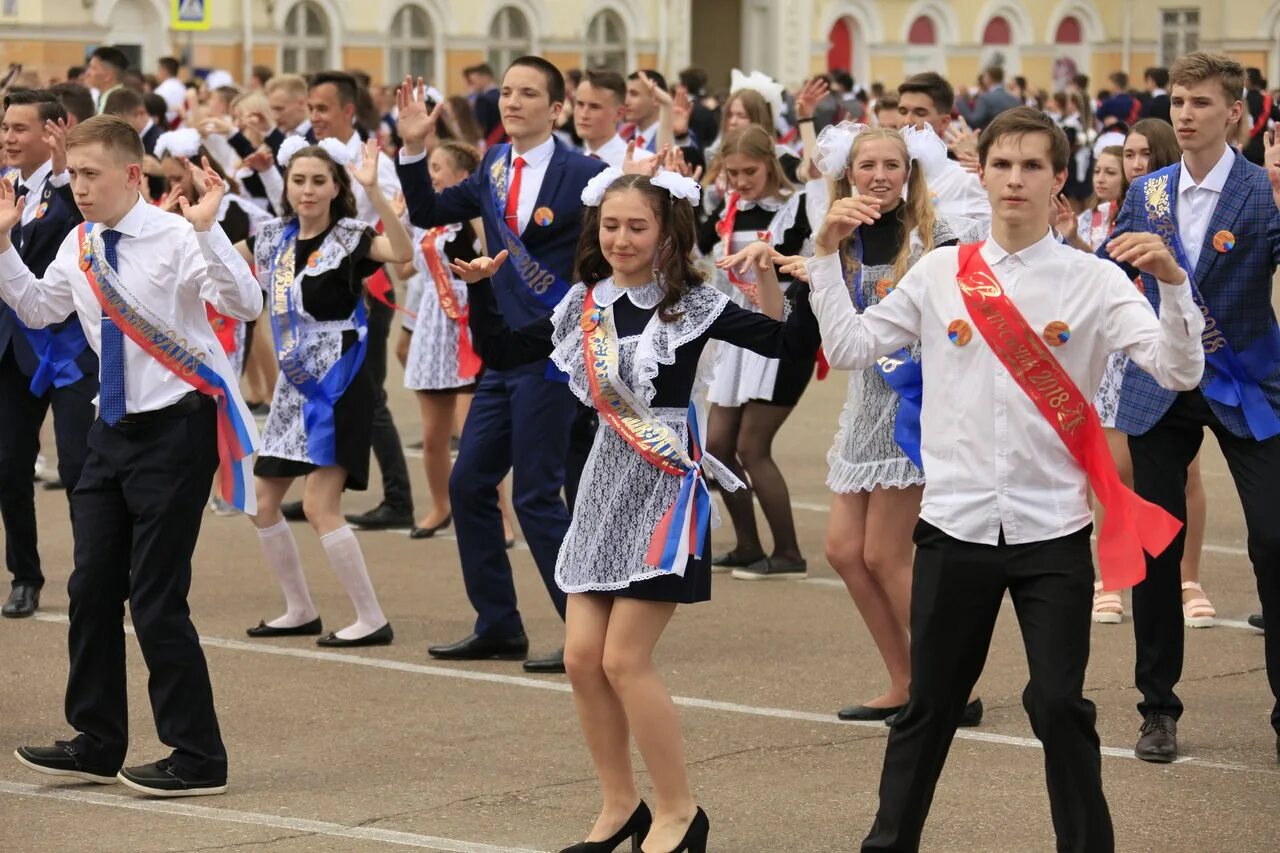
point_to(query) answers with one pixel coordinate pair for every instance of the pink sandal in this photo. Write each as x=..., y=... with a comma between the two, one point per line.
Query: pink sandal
x=1198, y=612
x=1108, y=607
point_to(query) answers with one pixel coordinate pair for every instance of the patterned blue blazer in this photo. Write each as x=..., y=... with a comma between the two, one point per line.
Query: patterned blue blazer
x=1235, y=285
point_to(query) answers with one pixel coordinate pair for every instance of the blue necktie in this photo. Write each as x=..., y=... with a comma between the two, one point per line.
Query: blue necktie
x=111, y=373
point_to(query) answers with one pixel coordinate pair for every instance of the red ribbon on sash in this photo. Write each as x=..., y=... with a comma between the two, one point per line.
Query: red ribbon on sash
x=725, y=230
x=224, y=328
x=468, y=362
x=1131, y=525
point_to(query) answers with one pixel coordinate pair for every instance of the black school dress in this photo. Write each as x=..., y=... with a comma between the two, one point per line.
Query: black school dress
x=622, y=497
x=329, y=271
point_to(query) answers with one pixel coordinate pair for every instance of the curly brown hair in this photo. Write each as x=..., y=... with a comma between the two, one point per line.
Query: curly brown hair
x=673, y=263
x=343, y=205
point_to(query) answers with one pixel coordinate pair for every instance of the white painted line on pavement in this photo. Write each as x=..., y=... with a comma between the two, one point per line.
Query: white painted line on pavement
x=318, y=827
x=559, y=686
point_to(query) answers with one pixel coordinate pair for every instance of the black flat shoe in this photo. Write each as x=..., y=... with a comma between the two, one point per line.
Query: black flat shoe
x=549, y=665
x=24, y=598
x=314, y=628
x=866, y=712
x=381, y=637
x=731, y=560
x=428, y=532
x=636, y=828
x=476, y=647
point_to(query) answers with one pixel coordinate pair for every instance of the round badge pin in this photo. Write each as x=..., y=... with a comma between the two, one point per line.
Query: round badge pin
x=544, y=216
x=959, y=333
x=1057, y=333
x=42, y=210
x=884, y=287
x=589, y=322
x=1224, y=241
x=313, y=259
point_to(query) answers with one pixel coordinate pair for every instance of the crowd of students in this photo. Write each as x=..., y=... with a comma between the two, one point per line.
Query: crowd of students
x=617, y=292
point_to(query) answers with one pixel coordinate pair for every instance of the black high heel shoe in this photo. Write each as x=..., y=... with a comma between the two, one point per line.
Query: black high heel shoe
x=636, y=828
x=695, y=837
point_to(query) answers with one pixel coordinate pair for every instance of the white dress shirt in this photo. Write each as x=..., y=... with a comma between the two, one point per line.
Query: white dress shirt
x=991, y=460
x=174, y=93
x=957, y=192
x=1196, y=203
x=171, y=269
x=648, y=134
x=613, y=152
x=35, y=185
x=388, y=181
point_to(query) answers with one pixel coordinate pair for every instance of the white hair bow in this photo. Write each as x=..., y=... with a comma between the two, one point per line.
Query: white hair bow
x=924, y=147
x=758, y=81
x=184, y=142
x=593, y=192
x=831, y=153
x=678, y=185
x=337, y=152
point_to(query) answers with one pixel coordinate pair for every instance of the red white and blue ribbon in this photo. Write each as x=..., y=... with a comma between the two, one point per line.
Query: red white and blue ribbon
x=682, y=532
x=236, y=435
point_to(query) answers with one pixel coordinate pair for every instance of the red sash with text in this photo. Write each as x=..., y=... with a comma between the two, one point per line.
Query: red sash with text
x=1131, y=525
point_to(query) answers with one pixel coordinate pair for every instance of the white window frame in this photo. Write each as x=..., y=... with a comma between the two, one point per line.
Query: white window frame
x=1180, y=29
x=300, y=44
x=504, y=47
x=401, y=44
x=595, y=47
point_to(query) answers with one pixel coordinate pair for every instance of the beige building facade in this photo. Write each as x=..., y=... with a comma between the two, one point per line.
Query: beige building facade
x=1044, y=40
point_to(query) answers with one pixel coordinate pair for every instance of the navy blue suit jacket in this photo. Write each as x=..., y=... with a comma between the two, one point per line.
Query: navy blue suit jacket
x=1235, y=285
x=37, y=245
x=554, y=244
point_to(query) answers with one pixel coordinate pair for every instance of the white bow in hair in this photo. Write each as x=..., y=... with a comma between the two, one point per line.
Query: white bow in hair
x=217, y=79
x=184, y=142
x=758, y=81
x=593, y=192
x=924, y=147
x=337, y=152
x=831, y=152
x=678, y=185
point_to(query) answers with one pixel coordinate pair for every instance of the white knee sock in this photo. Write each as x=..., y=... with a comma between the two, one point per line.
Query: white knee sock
x=282, y=555
x=347, y=560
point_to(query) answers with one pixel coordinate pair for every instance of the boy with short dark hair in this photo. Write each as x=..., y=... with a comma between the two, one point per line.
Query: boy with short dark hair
x=1011, y=442
x=168, y=408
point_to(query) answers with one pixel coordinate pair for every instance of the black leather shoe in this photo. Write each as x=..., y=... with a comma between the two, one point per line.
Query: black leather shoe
x=476, y=647
x=552, y=663
x=1157, y=739
x=428, y=532
x=314, y=628
x=1256, y=621
x=24, y=598
x=636, y=828
x=293, y=511
x=970, y=717
x=382, y=517
x=863, y=712
x=732, y=560
x=381, y=637
x=163, y=779
x=61, y=759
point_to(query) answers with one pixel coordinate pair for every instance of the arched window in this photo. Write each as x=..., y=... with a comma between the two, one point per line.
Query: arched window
x=411, y=48
x=1069, y=31
x=607, y=42
x=922, y=31
x=509, y=38
x=923, y=52
x=306, y=39
x=997, y=31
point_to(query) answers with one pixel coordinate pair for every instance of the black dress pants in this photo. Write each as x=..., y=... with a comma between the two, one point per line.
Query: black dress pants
x=387, y=449
x=1160, y=459
x=21, y=416
x=138, y=509
x=955, y=598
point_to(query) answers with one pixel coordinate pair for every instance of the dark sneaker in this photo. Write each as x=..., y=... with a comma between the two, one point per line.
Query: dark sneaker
x=767, y=569
x=61, y=759
x=163, y=779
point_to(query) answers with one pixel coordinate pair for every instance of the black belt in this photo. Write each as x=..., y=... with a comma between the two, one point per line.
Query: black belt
x=189, y=404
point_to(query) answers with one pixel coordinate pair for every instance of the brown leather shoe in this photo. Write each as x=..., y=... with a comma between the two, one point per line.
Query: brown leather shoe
x=1157, y=739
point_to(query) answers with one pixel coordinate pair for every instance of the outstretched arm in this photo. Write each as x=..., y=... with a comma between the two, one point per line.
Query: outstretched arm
x=498, y=345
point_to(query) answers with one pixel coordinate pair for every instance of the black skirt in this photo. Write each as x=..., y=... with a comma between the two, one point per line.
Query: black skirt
x=695, y=586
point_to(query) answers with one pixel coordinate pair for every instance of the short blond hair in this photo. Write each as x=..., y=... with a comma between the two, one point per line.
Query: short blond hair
x=294, y=84
x=1201, y=65
x=111, y=132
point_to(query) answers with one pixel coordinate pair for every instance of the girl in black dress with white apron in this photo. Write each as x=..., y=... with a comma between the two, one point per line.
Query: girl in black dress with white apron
x=630, y=338
x=312, y=263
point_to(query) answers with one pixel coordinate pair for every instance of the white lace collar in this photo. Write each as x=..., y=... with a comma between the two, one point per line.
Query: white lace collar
x=772, y=204
x=645, y=296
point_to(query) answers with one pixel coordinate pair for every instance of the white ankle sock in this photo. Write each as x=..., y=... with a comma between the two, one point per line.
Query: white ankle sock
x=348, y=562
x=282, y=555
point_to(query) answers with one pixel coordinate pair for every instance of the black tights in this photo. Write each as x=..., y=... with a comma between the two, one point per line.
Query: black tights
x=742, y=438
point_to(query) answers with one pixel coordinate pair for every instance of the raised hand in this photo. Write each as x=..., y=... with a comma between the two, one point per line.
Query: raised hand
x=681, y=110
x=647, y=166
x=415, y=123
x=1271, y=159
x=1064, y=219
x=260, y=160
x=55, y=136
x=1147, y=252
x=398, y=205
x=675, y=162
x=366, y=172
x=807, y=98
x=210, y=188
x=216, y=126
x=961, y=140
x=479, y=269
x=843, y=219
x=169, y=201
x=10, y=209
x=659, y=94
x=755, y=255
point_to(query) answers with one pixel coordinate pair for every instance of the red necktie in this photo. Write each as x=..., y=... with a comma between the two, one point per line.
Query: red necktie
x=639, y=141
x=513, y=196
